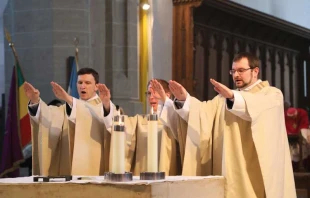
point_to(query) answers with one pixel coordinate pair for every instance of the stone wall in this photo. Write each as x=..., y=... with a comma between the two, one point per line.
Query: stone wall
x=43, y=33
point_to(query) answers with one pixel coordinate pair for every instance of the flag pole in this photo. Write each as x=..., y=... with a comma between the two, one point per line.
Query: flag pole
x=76, y=41
x=74, y=68
x=11, y=44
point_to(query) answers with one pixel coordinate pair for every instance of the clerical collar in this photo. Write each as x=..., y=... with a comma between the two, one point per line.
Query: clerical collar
x=250, y=87
x=93, y=98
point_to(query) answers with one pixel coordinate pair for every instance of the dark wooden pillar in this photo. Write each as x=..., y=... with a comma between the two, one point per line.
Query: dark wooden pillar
x=183, y=42
x=291, y=73
x=263, y=59
x=219, y=56
x=273, y=66
x=282, y=67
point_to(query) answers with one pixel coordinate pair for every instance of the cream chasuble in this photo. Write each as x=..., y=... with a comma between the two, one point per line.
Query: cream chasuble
x=257, y=159
x=61, y=147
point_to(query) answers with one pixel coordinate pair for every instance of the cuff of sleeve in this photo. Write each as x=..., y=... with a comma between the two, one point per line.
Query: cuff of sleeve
x=108, y=113
x=34, y=104
x=184, y=110
x=108, y=117
x=70, y=109
x=238, y=102
x=178, y=104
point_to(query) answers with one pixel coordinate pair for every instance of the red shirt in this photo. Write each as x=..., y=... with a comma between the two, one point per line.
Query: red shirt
x=295, y=124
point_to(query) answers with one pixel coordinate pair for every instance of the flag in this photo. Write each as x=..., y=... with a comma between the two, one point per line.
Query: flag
x=12, y=149
x=72, y=89
x=22, y=108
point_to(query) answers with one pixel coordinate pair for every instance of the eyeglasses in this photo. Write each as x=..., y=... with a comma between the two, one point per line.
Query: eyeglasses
x=240, y=71
x=148, y=93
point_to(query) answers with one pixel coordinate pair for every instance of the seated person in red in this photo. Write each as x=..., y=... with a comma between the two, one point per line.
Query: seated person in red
x=296, y=121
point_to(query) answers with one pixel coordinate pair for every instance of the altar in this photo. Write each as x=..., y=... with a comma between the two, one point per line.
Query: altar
x=170, y=187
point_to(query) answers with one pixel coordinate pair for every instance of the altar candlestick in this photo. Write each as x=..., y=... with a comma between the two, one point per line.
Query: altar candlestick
x=152, y=143
x=118, y=145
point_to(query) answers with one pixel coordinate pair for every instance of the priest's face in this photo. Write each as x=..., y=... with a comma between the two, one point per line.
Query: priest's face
x=153, y=98
x=86, y=86
x=243, y=75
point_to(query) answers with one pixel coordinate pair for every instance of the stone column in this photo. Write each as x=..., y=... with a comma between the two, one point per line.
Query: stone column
x=114, y=50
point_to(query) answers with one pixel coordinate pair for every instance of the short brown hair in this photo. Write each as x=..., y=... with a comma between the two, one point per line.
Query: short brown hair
x=164, y=84
x=87, y=70
x=253, y=60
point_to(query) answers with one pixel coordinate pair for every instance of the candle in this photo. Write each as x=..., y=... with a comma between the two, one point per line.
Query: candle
x=152, y=143
x=118, y=145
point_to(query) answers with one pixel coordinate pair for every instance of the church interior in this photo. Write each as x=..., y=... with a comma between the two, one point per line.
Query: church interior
x=189, y=41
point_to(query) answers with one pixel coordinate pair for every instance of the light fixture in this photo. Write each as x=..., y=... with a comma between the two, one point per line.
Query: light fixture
x=145, y=4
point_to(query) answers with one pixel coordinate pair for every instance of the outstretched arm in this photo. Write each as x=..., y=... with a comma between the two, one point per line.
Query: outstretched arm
x=222, y=89
x=182, y=102
x=32, y=93
x=33, y=96
x=177, y=90
x=158, y=90
x=234, y=100
x=61, y=94
x=108, y=110
x=105, y=96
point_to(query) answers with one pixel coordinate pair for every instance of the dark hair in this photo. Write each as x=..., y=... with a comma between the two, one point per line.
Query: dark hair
x=253, y=60
x=55, y=102
x=164, y=84
x=87, y=70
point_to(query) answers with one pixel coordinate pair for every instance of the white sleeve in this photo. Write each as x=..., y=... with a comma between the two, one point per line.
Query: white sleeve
x=72, y=116
x=238, y=107
x=108, y=120
x=184, y=111
x=36, y=117
x=168, y=116
x=167, y=106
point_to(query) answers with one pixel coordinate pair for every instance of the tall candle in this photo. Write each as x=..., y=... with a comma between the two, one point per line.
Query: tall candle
x=152, y=142
x=118, y=145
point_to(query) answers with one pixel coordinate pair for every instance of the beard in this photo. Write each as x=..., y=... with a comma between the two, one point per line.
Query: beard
x=241, y=84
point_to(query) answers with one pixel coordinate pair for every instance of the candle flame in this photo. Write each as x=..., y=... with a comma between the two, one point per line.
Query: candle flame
x=152, y=111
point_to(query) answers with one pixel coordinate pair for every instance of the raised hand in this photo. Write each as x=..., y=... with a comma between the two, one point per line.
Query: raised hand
x=158, y=88
x=32, y=93
x=222, y=89
x=177, y=90
x=61, y=94
x=105, y=95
